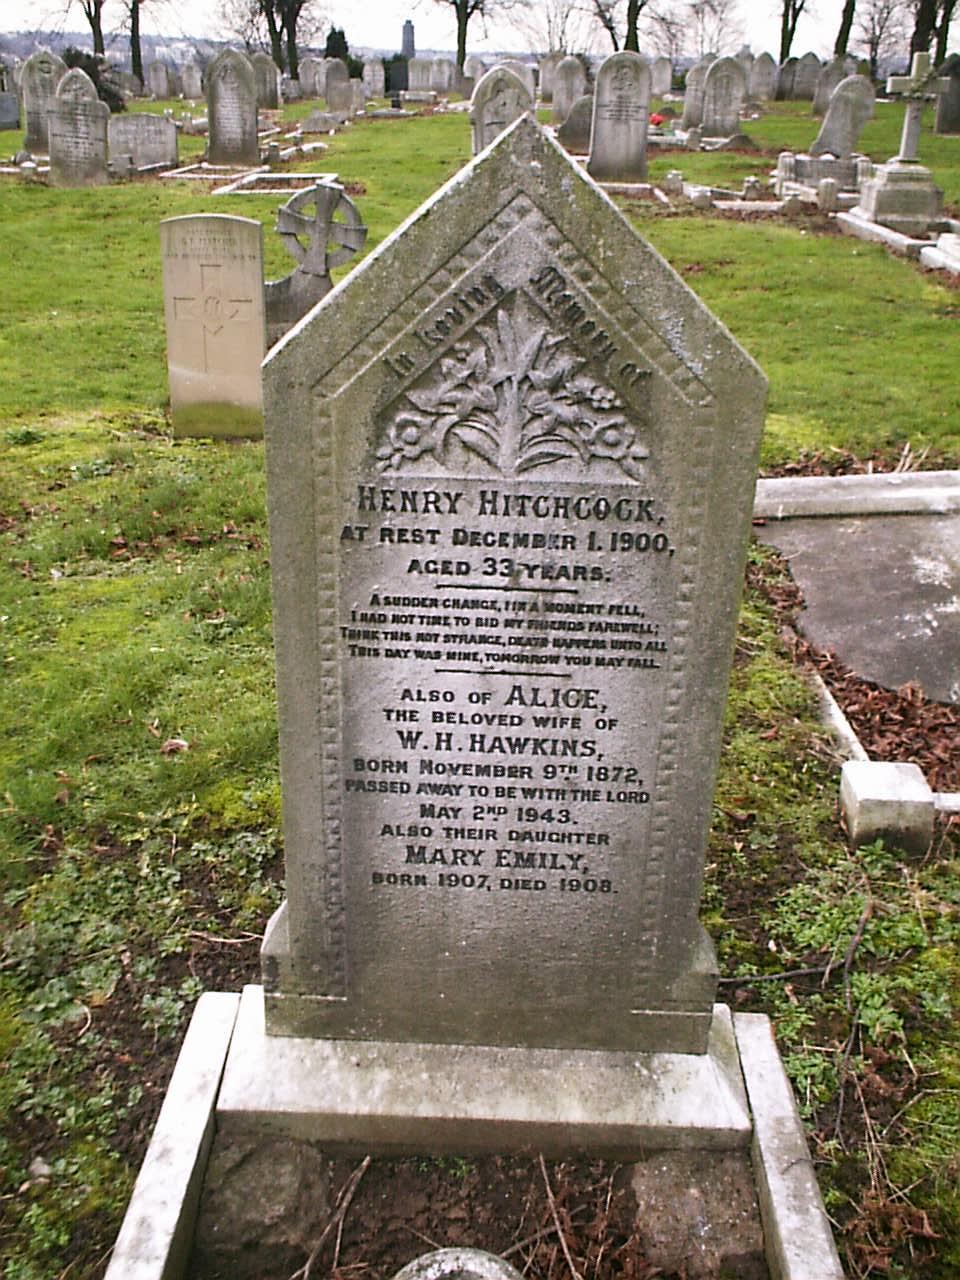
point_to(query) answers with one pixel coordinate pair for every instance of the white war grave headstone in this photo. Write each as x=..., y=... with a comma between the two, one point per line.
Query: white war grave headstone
x=724, y=94
x=621, y=112
x=150, y=140
x=850, y=107
x=232, y=110
x=569, y=84
x=213, y=303
x=499, y=98
x=510, y=471
x=39, y=77
x=77, y=128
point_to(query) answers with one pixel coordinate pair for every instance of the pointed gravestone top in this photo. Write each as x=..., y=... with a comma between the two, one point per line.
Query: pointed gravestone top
x=76, y=86
x=511, y=462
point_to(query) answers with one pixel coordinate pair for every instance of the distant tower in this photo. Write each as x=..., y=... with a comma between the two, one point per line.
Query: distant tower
x=408, y=47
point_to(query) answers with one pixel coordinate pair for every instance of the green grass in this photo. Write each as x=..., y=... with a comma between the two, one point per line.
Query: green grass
x=135, y=618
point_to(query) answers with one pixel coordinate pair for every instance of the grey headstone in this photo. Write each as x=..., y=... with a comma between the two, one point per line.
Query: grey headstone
x=500, y=98
x=948, y=103
x=574, y=133
x=524, y=72
x=548, y=75
x=514, y=432
x=693, y=96
x=851, y=106
x=192, y=80
x=724, y=94
x=830, y=76
x=9, y=111
x=806, y=74
x=148, y=139
x=267, y=80
x=39, y=77
x=420, y=74
x=442, y=75
x=310, y=73
x=661, y=76
x=320, y=122
x=374, y=78
x=786, y=78
x=569, y=84
x=621, y=113
x=458, y=1264
x=231, y=110
x=763, y=78
x=213, y=302
x=77, y=128
x=339, y=93
x=158, y=80
x=474, y=68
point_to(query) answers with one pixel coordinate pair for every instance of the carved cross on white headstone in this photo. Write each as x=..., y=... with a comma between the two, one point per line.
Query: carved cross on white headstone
x=920, y=86
x=212, y=312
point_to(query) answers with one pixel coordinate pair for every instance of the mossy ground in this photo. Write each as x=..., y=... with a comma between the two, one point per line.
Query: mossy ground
x=139, y=795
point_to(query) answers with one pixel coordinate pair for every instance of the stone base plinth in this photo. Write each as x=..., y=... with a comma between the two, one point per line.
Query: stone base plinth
x=902, y=196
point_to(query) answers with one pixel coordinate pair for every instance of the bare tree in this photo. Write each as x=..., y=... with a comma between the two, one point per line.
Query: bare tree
x=713, y=25
x=843, y=34
x=555, y=26
x=944, y=19
x=466, y=10
x=93, y=12
x=881, y=27
x=666, y=29
x=924, y=27
x=789, y=17
x=243, y=20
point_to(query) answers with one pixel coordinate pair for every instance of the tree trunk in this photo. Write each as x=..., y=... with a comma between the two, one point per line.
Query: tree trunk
x=789, y=17
x=463, y=16
x=276, y=36
x=293, y=56
x=136, y=57
x=943, y=30
x=631, y=40
x=925, y=26
x=843, y=35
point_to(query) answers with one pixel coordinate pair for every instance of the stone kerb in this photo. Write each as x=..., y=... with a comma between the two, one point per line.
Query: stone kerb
x=724, y=95
x=551, y=330
x=621, y=111
x=39, y=77
x=500, y=98
x=232, y=110
x=569, y=84
x=77, y=131
x=850, y=107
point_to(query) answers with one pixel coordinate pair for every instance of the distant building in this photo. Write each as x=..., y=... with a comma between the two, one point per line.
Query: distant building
x=408, y=48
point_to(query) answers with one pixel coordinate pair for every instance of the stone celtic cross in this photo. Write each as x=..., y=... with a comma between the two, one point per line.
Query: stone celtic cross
x=920, y=86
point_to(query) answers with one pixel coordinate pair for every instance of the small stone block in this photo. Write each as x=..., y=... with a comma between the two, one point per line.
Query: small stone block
x=154, y=1240
x=799, y=1243
x=893, y=802
x=458, y=1264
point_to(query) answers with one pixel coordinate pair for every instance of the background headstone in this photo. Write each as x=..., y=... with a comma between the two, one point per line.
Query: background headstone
x=830, y=76
x=763, y=78
x=948, y=103
x=474, y=68
x=310, y=73
x=77, y=127
x=268, y=80
x=621, y=111
x=408, y=46
x=149, y=140
x=192, y=80
x=661, y=76
x=442, y=74
x=39, y=77
x=569, y=84
x=806, y=74
x=786, y=78
x=523, y=71
x=574, y=133
x=158, y=80
x=231, y=110
x=693, y=95
x=338, y=93
x=213, y=301
x=548, y=73
x=420, y=74
x=500, y=98
x=724, y=93
x=374, y=78
x=850, y=107
x=9, y=110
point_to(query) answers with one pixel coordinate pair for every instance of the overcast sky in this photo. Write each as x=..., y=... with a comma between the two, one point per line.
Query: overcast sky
x=378, y=23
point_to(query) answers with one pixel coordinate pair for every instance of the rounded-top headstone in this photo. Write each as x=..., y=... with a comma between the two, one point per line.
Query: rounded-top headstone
x=724, y=93
x=76, y=86
x=693, y=95
x=77, y=128
x=828, y=79
x=763, y=77
x=621, y=111
x=39, y=77
x=569, y=84
x=232, y=110
x=500, y=98
x=851, y=106
x=458, y=1264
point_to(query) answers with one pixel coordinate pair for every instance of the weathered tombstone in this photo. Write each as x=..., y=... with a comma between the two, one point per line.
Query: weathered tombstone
x=150, y=140
x=548, y=74
x=621, y=111
x=763, y=78
x=374, y=78
x=574, y=134
x=77, y=128
x=850, y=107
x=213, y=301
x=661, y=76
x=39, y=77
x=192, y=80
x=786, y=78
x=419, y=74
x=267, y=80
x=948, y=103
x=724, y=94
x=549, y=621
x=338, y=93
x=9, y=111
x=523, y=71
x=693, y=95
x=158, y=80
x=474, y=68
x=232, y=110
x=746, y=59
x=569, y=84
x=805, y=77
x=310, y=74
x=500, y=98
x=442, y=74
x=830, y=76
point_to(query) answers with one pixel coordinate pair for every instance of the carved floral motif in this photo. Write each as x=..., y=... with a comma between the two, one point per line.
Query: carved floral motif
x=516, y=400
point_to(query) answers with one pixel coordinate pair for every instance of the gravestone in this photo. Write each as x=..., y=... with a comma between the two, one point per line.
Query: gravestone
x=39, y=77
x=763, y=78
x=524, y=72
x=850, y=107
x=311, y=73
x=574, y=134
x=419, y=74
x=267, y=80
x=786, y=77
x=149, y=140
x=77, y=128
x=158, y=80
x=661, y=76
x=500, y=98
x=693, y=95
x=232, y=110
x=724, y=94
x=548, y=75
x=374, y=78
x=569, y=84
x=474, y=68
x=621, y=111
x=509, y=506
x=192, y=80
x=338, y=92
x=830, y=76
x=442, y=75
x=9, y=110
x=213, y=303
x=948, y=103
x=806, y=74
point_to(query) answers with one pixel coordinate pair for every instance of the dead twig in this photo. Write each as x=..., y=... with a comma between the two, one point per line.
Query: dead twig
x=343, y=1204
x=420, y=1236
x=556, y=1218
x=749, y=979
x=865, y=915
x=543, y=1234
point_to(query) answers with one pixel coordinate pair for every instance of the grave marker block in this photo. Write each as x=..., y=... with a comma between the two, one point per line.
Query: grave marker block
x=77, y=133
